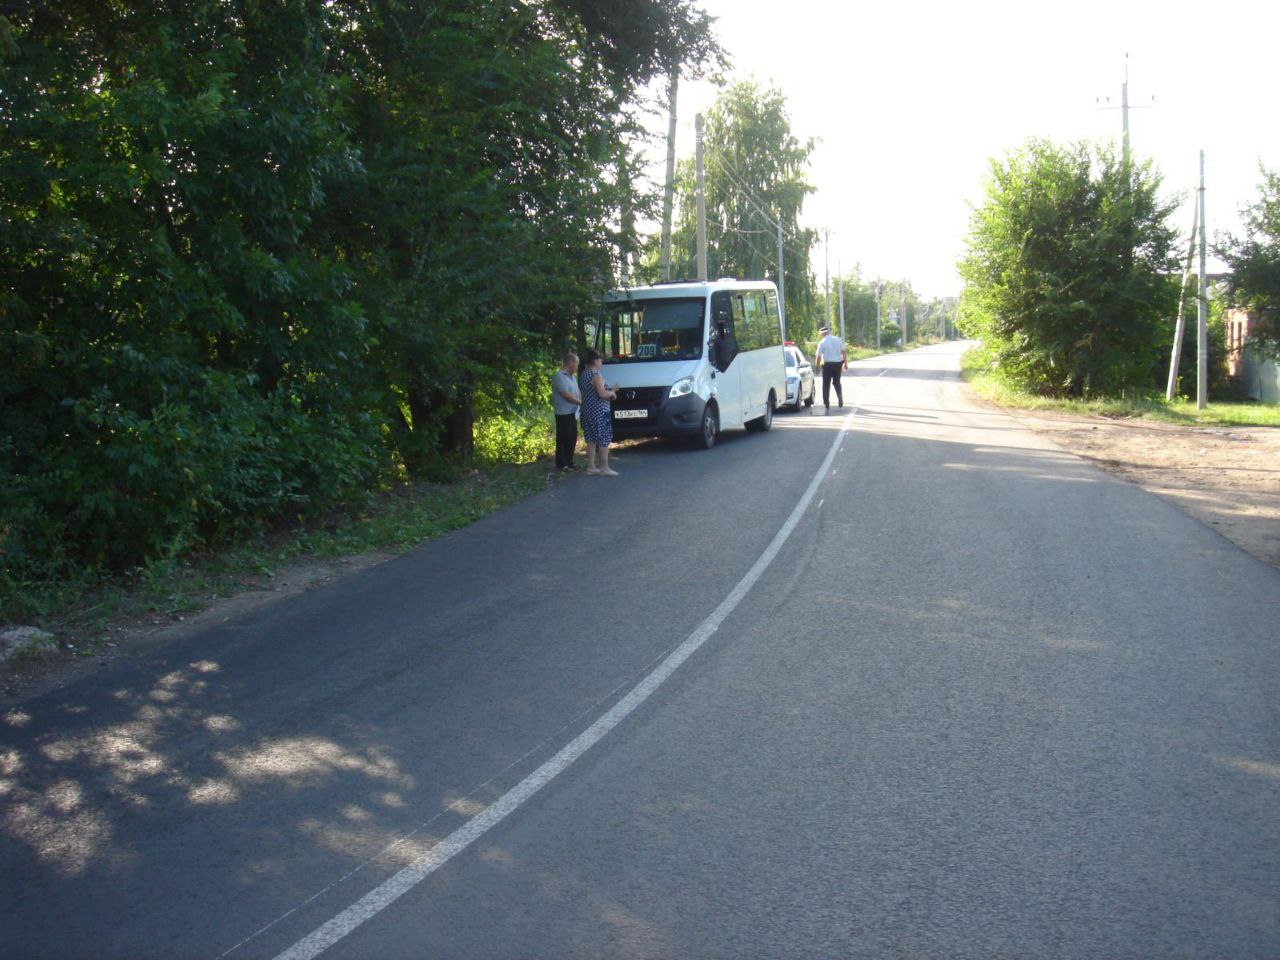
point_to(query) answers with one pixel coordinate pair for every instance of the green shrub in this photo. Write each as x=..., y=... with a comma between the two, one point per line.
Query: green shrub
x=1067, y=274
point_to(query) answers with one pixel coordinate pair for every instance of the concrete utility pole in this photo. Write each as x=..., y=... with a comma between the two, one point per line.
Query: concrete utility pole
x=826, y=296
x=1124, y=108
x=671, y=174
x=879, y=290
x=902, y=312
x=782, y=282
x=1202, y=313
x=701, y=199
x=840, y=294
x=1180, y=325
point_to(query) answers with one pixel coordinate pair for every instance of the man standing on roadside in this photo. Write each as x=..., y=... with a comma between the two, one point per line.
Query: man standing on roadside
x=833, y=358
x=565, y=400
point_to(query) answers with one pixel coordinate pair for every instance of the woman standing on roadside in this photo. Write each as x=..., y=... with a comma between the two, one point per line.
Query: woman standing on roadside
x=597, y=415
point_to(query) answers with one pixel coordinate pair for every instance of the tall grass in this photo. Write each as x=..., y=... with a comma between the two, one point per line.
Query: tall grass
x=976, y=369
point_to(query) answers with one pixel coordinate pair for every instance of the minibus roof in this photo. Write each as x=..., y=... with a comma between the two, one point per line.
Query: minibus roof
x=686, y=288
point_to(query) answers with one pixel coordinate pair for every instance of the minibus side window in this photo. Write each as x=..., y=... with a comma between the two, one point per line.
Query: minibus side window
x=773, y=331
x=754, y=316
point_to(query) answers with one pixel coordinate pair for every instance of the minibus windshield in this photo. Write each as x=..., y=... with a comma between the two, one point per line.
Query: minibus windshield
x=636, y=331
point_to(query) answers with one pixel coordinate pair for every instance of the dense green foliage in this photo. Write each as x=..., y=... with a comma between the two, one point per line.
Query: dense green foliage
x=257, y=258
x=755, y=173
x=1068, y=271
x=1255, y=266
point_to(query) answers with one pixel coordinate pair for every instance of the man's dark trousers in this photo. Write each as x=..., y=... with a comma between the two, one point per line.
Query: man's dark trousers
x=831, y=371
x=566, y=439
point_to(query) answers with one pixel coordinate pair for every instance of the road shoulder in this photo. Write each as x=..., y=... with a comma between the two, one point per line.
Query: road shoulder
x=1225, y=477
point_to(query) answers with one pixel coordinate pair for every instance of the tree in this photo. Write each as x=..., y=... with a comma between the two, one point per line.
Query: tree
x=756, y=177
x=497, y=136
x=1068, y=270
x=1254, y=284
x=258, y=258
x=187, y=359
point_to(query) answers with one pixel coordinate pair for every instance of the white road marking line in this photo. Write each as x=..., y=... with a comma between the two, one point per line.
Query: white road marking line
x=390, y=890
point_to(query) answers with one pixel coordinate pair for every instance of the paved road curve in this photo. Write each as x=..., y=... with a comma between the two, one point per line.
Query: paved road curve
x=983, y=701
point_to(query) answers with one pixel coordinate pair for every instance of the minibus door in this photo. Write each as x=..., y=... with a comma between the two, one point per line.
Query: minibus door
x=723, y=348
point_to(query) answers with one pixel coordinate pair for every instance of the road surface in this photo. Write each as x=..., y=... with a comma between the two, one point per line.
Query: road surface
x=901, y=681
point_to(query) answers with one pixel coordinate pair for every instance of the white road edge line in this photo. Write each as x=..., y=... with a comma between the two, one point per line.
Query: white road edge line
x=391, y=889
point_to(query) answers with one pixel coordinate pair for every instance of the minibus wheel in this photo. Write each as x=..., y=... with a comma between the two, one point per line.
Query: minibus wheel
x=761, y=424
x=710, y=427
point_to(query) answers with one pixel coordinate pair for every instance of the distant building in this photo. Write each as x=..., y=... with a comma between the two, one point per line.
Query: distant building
x=1259, y=378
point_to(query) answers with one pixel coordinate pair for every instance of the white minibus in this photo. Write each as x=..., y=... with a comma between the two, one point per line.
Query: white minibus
x=693, y=358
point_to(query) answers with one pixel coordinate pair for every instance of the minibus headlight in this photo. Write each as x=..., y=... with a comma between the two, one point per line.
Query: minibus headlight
x=681, y=387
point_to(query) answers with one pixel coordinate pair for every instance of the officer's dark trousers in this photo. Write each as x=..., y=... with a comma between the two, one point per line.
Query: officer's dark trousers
x=831, y=372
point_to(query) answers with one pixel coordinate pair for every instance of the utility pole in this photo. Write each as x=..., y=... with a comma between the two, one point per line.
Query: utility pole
x=671, y=174
x=879, y=290
x=1124, y=109
x=701, y=199
x=902, y=312
x=1202, y=313
x=840, y=294
x=782, y=282
x=826, y=296
x=1180, y=325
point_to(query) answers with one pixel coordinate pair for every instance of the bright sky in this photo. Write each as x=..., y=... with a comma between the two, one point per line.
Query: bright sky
x=909, y=100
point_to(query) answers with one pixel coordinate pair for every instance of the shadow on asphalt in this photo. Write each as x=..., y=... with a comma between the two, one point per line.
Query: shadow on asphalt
x=78, y=795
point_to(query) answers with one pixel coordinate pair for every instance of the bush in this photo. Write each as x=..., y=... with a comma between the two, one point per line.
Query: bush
x=513, y=420
x=128, y=483
x=1068, y=271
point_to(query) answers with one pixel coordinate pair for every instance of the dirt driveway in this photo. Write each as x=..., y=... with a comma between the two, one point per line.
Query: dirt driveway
x=1227, y=477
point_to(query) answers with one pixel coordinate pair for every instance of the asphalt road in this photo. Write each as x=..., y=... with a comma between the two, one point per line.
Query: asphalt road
x=939, y=689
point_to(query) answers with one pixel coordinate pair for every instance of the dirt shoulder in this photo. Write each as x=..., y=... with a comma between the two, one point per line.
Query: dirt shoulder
x=1227, y=477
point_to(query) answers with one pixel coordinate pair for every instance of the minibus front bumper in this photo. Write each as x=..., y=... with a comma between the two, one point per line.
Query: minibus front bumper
x=663, y=416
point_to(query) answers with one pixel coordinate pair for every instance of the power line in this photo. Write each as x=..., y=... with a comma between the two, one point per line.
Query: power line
x=753, y=198
x=751, y=246
x=800, y=255
x=736, y=179
x=754, y=249
x=748, y=194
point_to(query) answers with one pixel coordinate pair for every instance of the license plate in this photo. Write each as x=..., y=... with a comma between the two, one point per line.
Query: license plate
x=630, y=414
